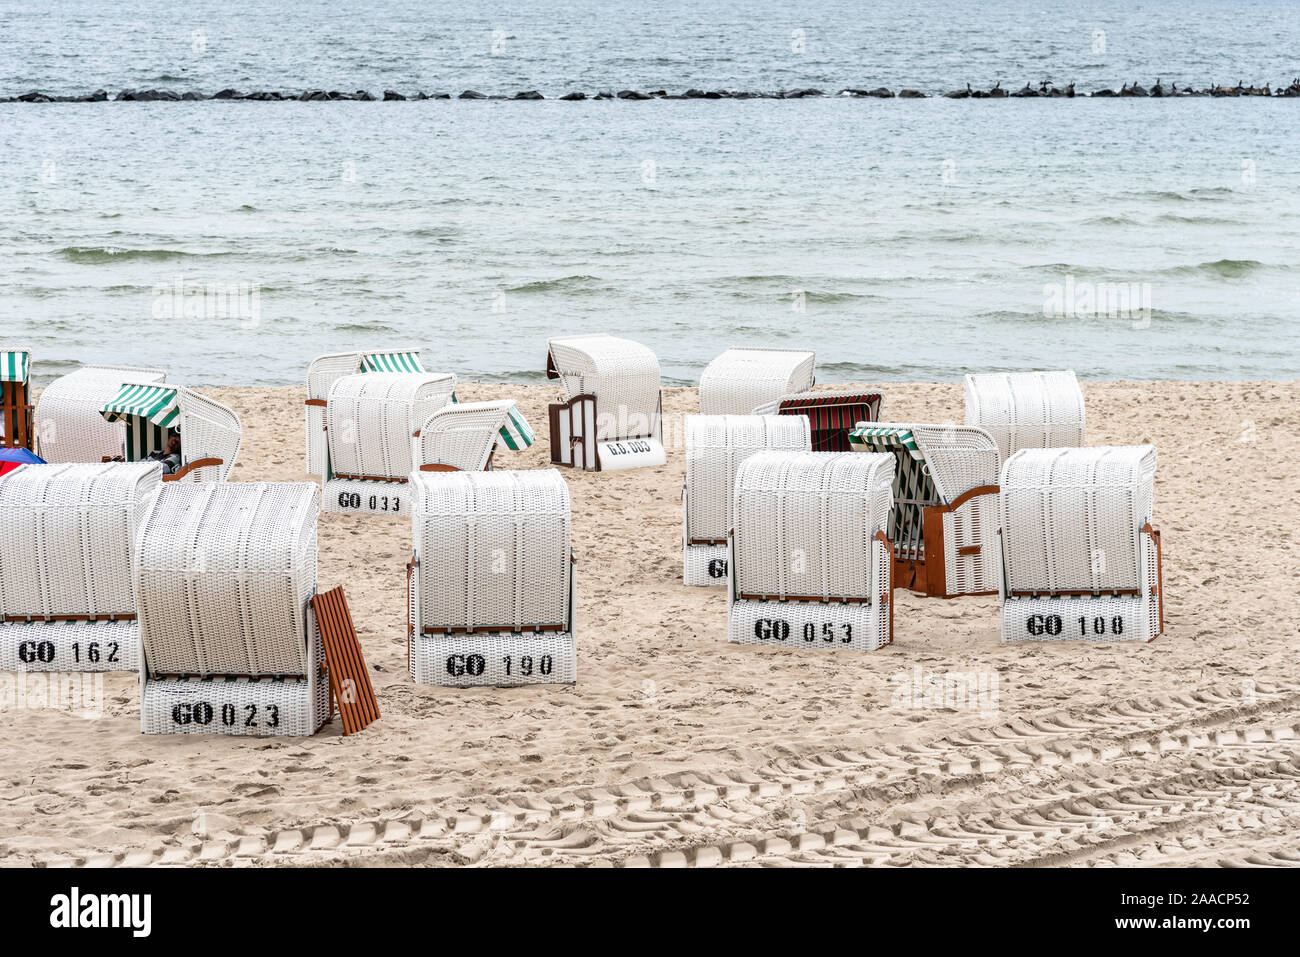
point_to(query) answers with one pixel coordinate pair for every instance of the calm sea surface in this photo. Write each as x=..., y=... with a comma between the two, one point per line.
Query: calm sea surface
x=900, y=239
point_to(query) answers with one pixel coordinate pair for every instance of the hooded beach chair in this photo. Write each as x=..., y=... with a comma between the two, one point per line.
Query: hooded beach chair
x=16, y=399
x=235, y=638
x=810, y=560
x=371, y=421
x=491, y=584
x=945, y=517
x=833, y=414
x=464, y=436
x=324, y=371
x=69, y=420
x=210, y=433
x=612, y=416
x=1026, y=410
x=1080, y=558
x=716, y=445
x=67, y=542
x=740, y=380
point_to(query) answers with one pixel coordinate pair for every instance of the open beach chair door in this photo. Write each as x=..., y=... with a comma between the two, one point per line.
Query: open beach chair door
x=464, y=436
x=349, y=678
x=152, y=414
x=15, y=399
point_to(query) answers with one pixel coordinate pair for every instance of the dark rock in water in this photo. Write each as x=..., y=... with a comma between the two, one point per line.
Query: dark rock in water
x=881, y=93
x=309, y=95
x=658, y=93
x=911, y=95
x=35, y=97
x=1027, y=91
x=390, y=95
x=440, y=96
x=225, y=95
x=363, y=95
x=529, y=95
x=99, y=96
x=694, y=94
x=606, y=95
x=997, y=92
x=745, y=96
x=574, y=96
x=421, y=96
x=1069, y=91
x=1133, y=90
x=633, y=95
x=471, y=95
x=1105, y=93
x=191, y=95
x=957, y=94
x=800, y=94
x=851, y=91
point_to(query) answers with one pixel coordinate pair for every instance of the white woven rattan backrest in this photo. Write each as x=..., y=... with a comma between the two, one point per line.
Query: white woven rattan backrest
x=67, y=537
x=493, y=547
x=68, y=423
x=1027, y=410
x=622, y=374
x=805, y=522
x=224, y=574
x=208, y=430
x=716, y=445
x=1072, y=518
x=463, y=435
x=958, y=458
x=741, y=380
x=372, y=419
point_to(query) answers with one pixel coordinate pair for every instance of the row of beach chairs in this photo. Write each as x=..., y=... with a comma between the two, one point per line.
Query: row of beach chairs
x=807, y=507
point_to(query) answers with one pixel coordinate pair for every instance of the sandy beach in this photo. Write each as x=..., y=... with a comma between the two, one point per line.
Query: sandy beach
x=678, y=749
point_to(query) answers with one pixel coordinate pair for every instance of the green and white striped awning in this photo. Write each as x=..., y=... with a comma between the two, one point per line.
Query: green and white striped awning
x=14, y=366
x=517, y=433
x=156, y=403
x=884, y=440
x=392, y=362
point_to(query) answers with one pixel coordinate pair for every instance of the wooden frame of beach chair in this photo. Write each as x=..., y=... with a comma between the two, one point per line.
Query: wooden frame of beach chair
x=371, y=425
x=491, y=585
x=716, y=445
x=1080, y=558
x=612, y=417
x=70, y=426
x=325, y=370
x=741, y=380
x=832, y=413
x=210, y=433
x=224, y=579
x=810, y=563
x=945, y=517
x=463, y=437
x=16, y=399
x=67, y=542
x=1027, y=410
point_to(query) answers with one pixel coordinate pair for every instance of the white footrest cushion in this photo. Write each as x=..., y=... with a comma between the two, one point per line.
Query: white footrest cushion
x=806, y=624
x=495, y=658
x=245, y=706
x=70, y=646
x=704, y=565
x=363, y=497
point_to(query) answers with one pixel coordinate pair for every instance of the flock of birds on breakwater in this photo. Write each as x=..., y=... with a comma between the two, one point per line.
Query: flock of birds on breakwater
x=1044, y=89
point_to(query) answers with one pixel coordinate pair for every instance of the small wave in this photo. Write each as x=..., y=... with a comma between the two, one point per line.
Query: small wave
x=364, y=327
x=563, y=284
x=1221, y=268
x=96, y=255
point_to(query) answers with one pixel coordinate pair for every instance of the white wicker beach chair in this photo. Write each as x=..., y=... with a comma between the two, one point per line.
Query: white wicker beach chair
x=371, y=425
x=1080, y=557
x=831, y=413
x=210, y=433
x=1026, y=410
x=67, y=542
x=741, y=380
x=491, y=580
x=69, y=424
x=810, y=560
x=15, y=399
x=324, y=371
x=463, y=436
x=612, y=417
x=716, y=445
x=224, y=580
x=945, y=517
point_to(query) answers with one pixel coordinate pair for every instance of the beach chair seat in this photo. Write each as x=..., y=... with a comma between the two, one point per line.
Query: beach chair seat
x=1080, y=558
x=464, y=436
x=1026, y=410
x=491, y=581
x=741, y=380
x=944, y=521
x=832, y=414
x=325, y=370
x=224, y=579
x=16, y=428
x=612, y=416
x=810, y=561
x=716, y=445
x=67, y=542
x=70, y=424
x=371, y=421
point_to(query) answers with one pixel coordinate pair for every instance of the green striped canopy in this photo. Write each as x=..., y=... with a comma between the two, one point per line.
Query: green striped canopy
x=156, y=403
x=14, y=366
x=392, y=362
x=884, y=440
x=517, y=433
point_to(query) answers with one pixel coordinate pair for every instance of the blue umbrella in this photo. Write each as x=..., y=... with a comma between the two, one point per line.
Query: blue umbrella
x=10, y=459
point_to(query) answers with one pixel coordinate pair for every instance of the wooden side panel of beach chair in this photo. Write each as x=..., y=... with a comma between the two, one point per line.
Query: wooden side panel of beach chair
x=15, y=399
x=349, y=677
